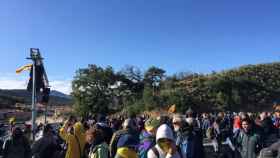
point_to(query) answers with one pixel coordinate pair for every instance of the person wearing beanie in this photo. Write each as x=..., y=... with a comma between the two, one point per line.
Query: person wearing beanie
x=165, y=144
x=127, y=147
x=129, y=127
x=148, y=136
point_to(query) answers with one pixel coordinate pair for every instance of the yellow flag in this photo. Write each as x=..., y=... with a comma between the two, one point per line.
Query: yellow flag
x=24, y=68
x=172, y=109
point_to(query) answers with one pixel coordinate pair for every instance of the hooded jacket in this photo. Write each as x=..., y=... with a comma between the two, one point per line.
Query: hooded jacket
x=248, y=144
x=73, y=141
x=164, y=131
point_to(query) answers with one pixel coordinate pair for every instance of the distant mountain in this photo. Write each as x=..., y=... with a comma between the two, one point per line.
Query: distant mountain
x=10, y=97
x=59, y=94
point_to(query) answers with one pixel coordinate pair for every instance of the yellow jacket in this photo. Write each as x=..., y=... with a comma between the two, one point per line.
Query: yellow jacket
x=72, y=143
x=125, y=152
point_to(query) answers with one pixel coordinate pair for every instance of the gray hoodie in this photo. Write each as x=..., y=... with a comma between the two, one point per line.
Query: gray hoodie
x=164, y=131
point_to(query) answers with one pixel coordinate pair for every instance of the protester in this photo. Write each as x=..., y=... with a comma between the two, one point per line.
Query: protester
x=46, y=146
x=248, y=141
x=129, y=127
x=165, y=147
x=104, y=126
x=17, y=146
x=206, y=123
x=98, y=146
x=127, y=147
x=188, y=142
x=148, y=136
x=72, y=132
x=268, y=131
x=236, y=124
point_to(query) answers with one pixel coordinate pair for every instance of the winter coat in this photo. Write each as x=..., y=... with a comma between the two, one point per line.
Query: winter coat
x=190, y=144
x=164, y=131
x=248, y=144
x=16, y=148
x=147, y=141
x=108, y=131
x=45, y=147
x=73, y=141
x=99, y=151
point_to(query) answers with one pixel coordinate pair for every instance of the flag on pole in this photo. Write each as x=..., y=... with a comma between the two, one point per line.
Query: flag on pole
x=24, y=68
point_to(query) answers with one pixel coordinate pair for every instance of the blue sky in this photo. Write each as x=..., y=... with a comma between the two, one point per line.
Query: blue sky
x=176, y=35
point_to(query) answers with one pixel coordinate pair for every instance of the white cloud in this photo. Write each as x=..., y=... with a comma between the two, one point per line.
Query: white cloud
x=62, y=86
x=13, y=82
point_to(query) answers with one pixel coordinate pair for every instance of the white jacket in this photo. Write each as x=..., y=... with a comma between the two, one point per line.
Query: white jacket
x=164, y=131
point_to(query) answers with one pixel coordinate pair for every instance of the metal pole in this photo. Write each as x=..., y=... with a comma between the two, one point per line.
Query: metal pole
x=46, y=112
x=33, y=100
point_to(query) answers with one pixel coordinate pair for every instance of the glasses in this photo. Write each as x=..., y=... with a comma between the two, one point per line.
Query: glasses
x=176, y=123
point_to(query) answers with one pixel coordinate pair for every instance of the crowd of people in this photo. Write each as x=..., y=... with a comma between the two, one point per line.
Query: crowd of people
x=192, y=135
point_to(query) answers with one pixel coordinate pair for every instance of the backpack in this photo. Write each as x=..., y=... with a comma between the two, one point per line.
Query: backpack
x=143, y=152
x=114, y=141
x=95, y=149
x=155, y=151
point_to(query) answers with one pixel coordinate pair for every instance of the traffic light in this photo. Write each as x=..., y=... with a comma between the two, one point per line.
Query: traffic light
x=45, y=96
x=39, y=72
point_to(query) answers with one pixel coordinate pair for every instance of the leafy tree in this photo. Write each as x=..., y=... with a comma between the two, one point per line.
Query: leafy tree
x=93, y=89
x=153, y=78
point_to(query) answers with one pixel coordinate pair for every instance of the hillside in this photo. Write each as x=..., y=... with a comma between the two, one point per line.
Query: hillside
x=10, y=97
x=250, y=87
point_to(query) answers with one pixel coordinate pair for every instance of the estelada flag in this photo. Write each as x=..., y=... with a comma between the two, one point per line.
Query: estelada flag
x=24, y=68
x=172, y=109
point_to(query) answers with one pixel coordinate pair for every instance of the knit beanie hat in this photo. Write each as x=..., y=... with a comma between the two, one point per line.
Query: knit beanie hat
x=151, y=124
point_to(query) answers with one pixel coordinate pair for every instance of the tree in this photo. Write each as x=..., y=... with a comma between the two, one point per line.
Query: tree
x=93, y=89
x=153, y=78
x=132, y=79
